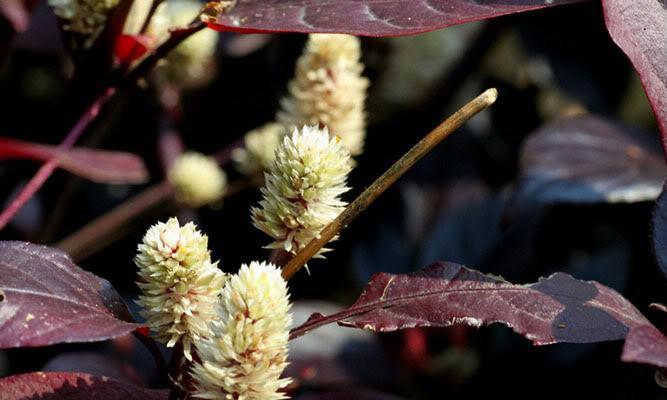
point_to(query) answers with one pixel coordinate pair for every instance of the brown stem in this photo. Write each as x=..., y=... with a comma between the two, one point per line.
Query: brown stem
x=160, y=362
x=104, y=230
x=389, y=178
x=151, y=12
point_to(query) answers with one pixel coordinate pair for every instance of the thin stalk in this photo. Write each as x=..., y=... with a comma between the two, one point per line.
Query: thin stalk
x=47, y=168
x=390, y=176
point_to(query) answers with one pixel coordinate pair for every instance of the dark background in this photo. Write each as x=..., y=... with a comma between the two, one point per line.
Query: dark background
x=449, y=207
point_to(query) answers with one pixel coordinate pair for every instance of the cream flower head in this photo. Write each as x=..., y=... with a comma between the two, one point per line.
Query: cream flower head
x=190, y=64
x=329, y=90
x=197, y=179
x=179, y=282
x=84, y=17
x=260, y=149
x=302, y=188
x=247, y=353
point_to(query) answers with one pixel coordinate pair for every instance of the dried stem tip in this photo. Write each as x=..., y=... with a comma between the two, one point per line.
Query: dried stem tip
x=390, y=176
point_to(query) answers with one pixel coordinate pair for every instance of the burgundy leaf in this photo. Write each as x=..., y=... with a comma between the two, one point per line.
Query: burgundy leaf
x=589, y=160
x=95, y=363
x=646, y=345
x=557, y=309
x=367, y=17
x=94, y=165
x=46, y=299
x=639, y=28
x=72, y=386
x=660, y=231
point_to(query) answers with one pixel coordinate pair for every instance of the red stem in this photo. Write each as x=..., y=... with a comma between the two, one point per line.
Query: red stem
x=50, y=165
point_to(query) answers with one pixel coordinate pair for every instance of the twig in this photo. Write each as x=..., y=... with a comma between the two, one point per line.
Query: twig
x=102, y=231
x=149, y=16
x=50, y=165
x=390, y=177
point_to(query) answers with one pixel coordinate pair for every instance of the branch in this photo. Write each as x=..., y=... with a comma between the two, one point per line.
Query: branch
x=50, y=165
x=390, y=176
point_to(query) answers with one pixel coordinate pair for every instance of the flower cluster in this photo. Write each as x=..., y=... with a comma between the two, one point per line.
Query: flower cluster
x=179, y=282
x=259, y=150
x=197, y=179
x=84, y=17
x=191, y=64
x=247, y=351
x=329, y=90
x=303, y=188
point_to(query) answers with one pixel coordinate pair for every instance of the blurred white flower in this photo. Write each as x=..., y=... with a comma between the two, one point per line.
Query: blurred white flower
x=302, y=188
x=179, y=282
x=329, y=90
x=197, y=179
x=247, y=352
x=259, y=150
x=84, y=17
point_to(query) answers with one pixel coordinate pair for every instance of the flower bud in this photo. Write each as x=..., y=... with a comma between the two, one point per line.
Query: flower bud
x=197, y=179
x=259, y=150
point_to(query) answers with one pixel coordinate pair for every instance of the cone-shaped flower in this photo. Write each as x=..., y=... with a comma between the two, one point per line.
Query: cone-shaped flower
x=259, y=150
x=84, y=17
x=329, y=90
x=302, y=189
x=179, y=282
x=197, y=179
x=247, y=352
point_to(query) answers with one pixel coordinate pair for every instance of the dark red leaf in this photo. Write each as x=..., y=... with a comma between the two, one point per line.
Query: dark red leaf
x=72, y=386
x=646, y=345
x=129, y=48
x=95, y=364
x=95, y=165
x=557, y=309
x=639, y=28
x=589, y=160
x=46, y=299
x=367, y=17
x=660, y=231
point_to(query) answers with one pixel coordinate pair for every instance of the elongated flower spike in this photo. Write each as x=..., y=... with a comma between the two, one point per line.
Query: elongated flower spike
x=259, y=150
x=247, y=353
x=303, y=188
x=179, y=282
x=197, y=179
x=329, y=90
x=84, y=17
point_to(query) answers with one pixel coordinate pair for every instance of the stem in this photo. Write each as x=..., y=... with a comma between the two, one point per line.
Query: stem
x=51, y=164
x=151, y=12
x=104, y=230
x=390, y=176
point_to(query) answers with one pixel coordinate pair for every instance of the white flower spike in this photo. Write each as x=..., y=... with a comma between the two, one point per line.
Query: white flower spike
x=303, y=188
x=179, y=282
x=329, y=90
x=259, y=150
x=84, y=17
x=247, y=353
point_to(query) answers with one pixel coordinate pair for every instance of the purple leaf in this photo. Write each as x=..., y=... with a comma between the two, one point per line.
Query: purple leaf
x=639, y=28
x=95, y=165
x=72, y=386
x=367, y=17
x=660, y=231
x=46, y=299
x=589, y=160
x=557, y=309
x=17, y=13
x=646, y=345
x=94, y=363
